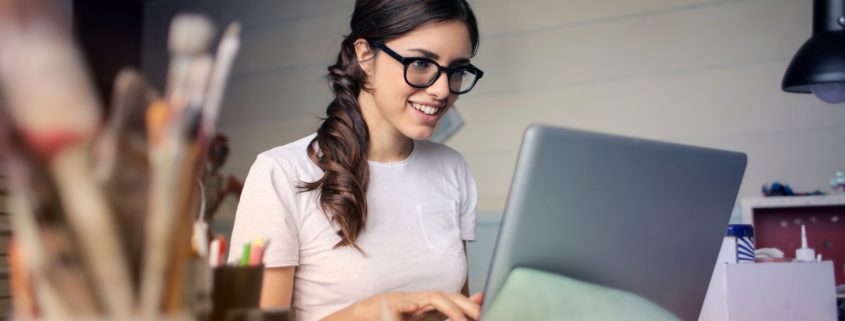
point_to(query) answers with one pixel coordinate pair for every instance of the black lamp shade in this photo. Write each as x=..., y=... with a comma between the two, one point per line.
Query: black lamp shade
x=821, y=60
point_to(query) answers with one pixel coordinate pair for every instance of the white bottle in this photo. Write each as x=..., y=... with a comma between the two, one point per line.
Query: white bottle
x=804, y=254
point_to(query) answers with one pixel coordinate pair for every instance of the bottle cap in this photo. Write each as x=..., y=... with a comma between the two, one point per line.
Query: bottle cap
x=739, y=230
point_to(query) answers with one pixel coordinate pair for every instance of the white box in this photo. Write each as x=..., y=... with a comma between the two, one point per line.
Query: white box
x=771, y=292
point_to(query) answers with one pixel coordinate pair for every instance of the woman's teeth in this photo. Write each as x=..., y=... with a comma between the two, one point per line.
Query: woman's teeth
x=426, y=109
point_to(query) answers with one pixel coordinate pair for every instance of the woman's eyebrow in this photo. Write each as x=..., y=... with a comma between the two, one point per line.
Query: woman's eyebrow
x=434, y=56
x=426, y=53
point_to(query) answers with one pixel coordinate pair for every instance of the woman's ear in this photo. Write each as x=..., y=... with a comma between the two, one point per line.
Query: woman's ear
x=365, y=55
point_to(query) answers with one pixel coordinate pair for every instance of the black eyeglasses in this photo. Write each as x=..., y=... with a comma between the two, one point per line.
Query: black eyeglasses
x=423, y=72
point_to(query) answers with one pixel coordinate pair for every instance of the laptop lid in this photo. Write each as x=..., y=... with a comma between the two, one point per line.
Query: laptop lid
x=638, y=215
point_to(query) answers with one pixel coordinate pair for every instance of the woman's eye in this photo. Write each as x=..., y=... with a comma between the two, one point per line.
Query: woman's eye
x=420, y=65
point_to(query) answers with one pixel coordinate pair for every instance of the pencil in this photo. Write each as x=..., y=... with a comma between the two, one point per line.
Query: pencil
x=245, y=254
x=257, y=252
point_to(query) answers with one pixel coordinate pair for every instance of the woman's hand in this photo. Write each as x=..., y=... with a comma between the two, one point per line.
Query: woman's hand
x=422, y=306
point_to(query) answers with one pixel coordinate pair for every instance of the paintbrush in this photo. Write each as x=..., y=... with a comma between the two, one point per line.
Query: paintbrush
x=226, y=53
x=186, y=187
x=122, y=168
x=59, y=283
x=48, y=251
x=168, y=126
x=205, y=103
x=52, y=104
x=210, y=103
x=210, y=99
x=190, y=35
x=159, y=210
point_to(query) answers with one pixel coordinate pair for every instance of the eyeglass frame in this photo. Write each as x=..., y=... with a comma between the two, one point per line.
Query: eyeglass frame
x=407, y=61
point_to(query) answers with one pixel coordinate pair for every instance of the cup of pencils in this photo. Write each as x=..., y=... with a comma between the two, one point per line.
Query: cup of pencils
x=236, y=289
x=237, y=286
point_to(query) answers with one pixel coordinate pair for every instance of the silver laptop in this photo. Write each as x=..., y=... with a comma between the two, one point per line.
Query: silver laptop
x=638, y=215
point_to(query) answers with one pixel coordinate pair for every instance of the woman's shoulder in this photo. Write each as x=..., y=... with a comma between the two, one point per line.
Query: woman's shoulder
x=293, y=154
x=440, y=151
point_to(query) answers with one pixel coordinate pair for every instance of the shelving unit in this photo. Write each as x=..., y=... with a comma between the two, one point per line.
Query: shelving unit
x=777, y=223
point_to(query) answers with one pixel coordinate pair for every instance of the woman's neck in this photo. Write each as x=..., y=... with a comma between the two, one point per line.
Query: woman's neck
x=387, y=149
x=387, y=144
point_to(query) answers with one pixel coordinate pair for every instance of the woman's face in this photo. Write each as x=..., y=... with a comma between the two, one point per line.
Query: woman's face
x=398, y=107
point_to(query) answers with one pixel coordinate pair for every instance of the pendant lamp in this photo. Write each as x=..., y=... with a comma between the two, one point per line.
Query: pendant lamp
x=819, y=66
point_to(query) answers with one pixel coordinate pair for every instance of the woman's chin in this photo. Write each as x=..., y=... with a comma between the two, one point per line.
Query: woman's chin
x=423, y=133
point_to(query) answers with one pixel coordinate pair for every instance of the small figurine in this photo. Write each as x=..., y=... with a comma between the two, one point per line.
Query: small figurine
x=838, y=183
x=216, y=184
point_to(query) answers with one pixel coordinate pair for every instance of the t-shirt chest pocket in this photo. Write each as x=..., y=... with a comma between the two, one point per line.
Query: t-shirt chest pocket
x=439, y=222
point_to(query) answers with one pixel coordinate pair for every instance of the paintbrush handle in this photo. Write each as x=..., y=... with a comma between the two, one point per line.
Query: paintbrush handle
x=226, y=53
x=90, y=217
x=53, y=104
x=181, y=241
x=160, y=218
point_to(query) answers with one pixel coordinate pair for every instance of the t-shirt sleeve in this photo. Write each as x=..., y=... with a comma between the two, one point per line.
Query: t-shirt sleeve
x=267, y=210
x=469, y=201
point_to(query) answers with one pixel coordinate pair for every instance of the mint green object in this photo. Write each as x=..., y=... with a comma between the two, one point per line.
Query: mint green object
x=530, y=294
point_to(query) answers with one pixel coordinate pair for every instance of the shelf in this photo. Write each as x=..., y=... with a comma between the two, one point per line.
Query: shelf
x=787, y=201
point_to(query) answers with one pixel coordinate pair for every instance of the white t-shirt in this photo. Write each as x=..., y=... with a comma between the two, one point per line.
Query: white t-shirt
x=419, y=211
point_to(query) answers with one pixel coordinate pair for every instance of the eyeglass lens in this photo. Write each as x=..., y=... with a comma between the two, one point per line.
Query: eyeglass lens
x=423, y=73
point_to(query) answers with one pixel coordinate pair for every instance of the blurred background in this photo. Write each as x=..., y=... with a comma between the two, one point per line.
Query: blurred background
x=703, y=72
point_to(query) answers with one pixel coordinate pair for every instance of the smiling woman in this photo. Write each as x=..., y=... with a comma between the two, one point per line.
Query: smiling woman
x=366, y=217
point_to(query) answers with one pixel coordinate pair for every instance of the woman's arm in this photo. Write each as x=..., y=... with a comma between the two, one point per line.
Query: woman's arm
x=465, y=289
x=277, y=290
x=277, y=287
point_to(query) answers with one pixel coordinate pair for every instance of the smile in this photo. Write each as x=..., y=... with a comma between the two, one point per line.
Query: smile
x=428, y=110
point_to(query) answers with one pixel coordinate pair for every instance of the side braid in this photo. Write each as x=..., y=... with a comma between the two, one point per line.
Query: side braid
x=343, y=140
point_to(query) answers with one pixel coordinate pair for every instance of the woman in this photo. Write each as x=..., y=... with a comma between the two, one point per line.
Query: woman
x=365, y=215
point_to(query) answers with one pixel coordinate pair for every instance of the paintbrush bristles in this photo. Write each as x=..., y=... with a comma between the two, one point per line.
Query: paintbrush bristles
x=232, y=31
x=46, y=110
x=190, y=34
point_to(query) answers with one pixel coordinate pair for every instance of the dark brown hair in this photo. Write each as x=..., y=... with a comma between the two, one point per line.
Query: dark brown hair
x=343, y=140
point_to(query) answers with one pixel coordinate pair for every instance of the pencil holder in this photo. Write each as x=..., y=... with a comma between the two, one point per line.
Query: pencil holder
x=235, y=289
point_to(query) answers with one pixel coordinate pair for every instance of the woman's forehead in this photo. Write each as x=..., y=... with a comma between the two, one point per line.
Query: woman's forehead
x=447, y=40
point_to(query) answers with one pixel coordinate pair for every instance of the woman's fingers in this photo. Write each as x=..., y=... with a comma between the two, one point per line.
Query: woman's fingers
x=478, y=297
x=426, y=316
x=469, y=307
x=423, y=305
x=402, y=304
x=445, y=305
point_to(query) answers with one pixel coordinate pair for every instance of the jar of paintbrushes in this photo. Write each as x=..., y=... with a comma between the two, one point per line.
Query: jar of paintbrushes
x=102, y=208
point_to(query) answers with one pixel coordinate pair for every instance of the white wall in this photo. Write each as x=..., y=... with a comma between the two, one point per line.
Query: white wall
x=704, y=72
